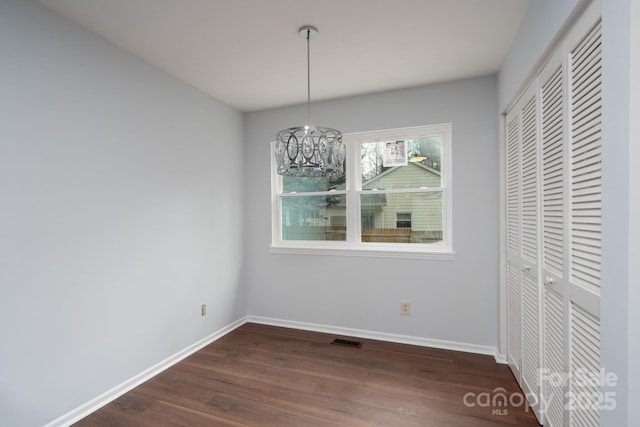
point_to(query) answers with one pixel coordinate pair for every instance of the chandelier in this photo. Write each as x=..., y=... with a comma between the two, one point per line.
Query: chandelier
x=309, y=151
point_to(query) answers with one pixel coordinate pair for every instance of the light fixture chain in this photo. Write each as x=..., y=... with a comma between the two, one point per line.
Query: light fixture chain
x=308, y=77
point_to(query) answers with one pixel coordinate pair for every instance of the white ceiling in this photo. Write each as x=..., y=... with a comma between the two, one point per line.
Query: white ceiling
x=247, y=53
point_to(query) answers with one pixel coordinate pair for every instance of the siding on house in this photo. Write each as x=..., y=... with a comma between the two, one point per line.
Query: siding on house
x=425, y=208
x=414, y=175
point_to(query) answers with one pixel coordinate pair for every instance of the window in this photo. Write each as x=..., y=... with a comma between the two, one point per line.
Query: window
x=394, y=200
x=403, y=220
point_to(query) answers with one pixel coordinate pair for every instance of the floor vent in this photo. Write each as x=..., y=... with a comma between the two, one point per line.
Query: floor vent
x=347, y=343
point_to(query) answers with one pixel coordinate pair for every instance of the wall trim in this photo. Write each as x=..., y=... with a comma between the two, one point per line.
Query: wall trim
x=96, y=403
x=382, y=336
x=501, y=358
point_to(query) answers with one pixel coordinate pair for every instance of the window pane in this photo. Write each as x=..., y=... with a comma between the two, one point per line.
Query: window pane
x=422, y=168
x=302, y=185
x=314, y=218
x=419, y=216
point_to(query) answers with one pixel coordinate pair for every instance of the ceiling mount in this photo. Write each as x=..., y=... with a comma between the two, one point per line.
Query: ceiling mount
x=308, y=31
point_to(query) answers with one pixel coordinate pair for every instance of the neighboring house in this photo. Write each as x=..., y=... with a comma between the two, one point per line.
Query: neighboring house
x=421, y=212
x=393, y=210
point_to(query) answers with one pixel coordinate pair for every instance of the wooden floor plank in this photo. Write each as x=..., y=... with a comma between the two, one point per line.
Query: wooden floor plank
x=262, y=375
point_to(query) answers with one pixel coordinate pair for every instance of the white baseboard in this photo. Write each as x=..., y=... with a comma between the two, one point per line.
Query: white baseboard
x=96, y=403
x=382, y=336
x=500, y=358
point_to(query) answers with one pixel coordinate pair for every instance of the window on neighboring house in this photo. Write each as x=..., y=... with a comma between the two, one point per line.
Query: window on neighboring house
x=339, y=220
x=403, y=220
x=395, y=198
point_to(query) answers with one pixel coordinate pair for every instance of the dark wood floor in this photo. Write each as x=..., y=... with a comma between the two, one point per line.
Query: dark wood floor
x=268, y=376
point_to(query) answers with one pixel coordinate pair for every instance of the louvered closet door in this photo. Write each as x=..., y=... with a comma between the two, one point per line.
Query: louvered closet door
x=552, y=142
x=585, y=203
x=523, y=286
x=554, y=200
x=514, y=311
x=529, y=285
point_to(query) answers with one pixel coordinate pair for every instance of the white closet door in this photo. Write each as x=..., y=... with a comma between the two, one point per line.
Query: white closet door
x=552, y=141
x=530, y=288
x=585, y=204
x=554, y=201
x=514, y=306
x=523, y=285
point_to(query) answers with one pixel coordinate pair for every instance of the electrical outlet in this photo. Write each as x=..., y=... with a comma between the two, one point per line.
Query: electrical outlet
x=203, y=309
x=405, y=308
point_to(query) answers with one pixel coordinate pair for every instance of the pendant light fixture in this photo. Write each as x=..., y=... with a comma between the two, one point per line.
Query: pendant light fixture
x=309, y=151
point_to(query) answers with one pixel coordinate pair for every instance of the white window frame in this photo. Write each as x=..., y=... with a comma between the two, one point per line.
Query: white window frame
x=353, y=246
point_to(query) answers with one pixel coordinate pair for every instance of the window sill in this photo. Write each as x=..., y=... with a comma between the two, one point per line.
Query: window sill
x=373, y=251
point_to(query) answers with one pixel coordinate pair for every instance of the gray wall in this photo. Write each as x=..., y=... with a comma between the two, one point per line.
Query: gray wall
x=634, y=225
x=633, y=301
x=450, y=300
x=619, y=310
x=538, y=28
x=119, y=217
